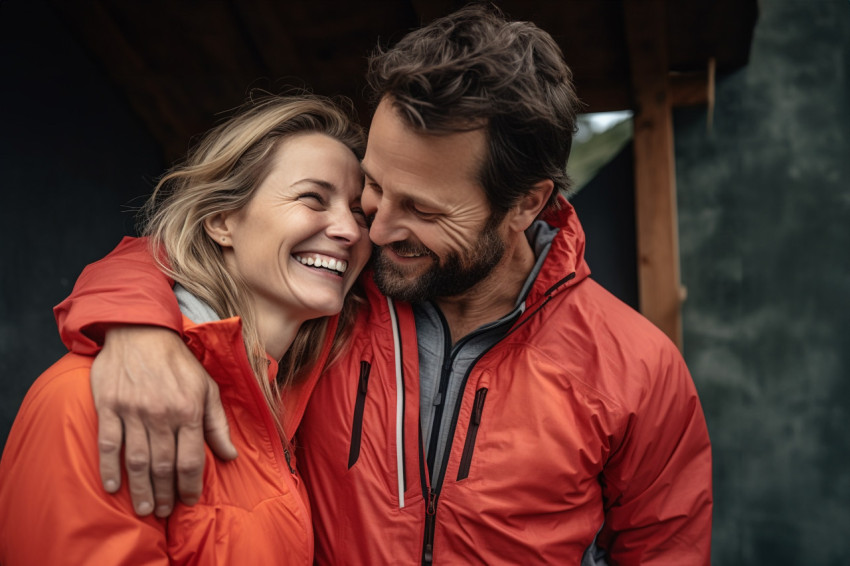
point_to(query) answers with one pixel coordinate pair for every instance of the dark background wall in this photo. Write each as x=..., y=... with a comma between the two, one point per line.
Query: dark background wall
x=72, y=160
x=76, y=161
x=764, y=205
x=764, y=216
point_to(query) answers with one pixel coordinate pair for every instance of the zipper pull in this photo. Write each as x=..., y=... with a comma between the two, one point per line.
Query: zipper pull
x=432, y=504
x=288, y=456
x=430, y=519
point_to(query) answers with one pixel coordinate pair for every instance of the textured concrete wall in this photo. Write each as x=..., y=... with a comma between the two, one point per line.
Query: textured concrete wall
x=72, y=159
x=764, y=216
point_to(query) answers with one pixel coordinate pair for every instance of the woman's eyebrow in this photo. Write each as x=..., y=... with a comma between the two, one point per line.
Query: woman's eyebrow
x=324, y=184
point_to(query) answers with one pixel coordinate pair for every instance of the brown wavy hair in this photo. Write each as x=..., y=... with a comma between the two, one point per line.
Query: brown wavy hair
x=475, y=69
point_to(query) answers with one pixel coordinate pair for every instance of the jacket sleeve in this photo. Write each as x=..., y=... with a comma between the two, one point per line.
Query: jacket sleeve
x=125, y=287
x=657, y=483
x=53, y=509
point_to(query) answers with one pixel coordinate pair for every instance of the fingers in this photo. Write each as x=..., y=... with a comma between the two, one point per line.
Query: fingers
x=216, y=429
x=190, y=452
x=183, y=450
x=146, y=380
x=162, y=469
x=137, y=462
x=190, y=463
x=109, y=434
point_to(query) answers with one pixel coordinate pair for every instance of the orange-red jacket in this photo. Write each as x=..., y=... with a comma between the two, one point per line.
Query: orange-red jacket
x=53, y=510
x=582, y=422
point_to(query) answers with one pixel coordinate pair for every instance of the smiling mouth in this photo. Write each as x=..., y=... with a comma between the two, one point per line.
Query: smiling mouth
x=318, y=261
x=408, y=251
x=409, y=255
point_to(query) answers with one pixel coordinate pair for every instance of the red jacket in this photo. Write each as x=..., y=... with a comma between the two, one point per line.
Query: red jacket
x=54, y=511
x=583, y=420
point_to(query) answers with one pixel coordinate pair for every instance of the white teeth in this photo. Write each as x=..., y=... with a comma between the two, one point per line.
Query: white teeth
x=410, y=255
x=333, y=264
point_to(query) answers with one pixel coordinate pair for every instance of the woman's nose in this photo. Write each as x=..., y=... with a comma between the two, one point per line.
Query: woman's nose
x=345, y=226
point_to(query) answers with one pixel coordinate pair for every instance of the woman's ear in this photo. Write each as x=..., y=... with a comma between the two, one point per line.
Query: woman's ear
x=531, y=205
x=218, y=227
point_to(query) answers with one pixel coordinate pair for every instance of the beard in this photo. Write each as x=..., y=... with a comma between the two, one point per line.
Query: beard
x=456, y=274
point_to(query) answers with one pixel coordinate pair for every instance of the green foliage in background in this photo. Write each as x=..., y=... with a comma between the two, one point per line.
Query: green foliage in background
x=592, y=150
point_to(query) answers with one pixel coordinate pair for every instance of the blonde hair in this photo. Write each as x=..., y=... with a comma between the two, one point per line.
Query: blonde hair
x=221, y=174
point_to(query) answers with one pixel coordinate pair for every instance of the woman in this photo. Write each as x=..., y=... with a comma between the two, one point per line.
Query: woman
x=262, y=231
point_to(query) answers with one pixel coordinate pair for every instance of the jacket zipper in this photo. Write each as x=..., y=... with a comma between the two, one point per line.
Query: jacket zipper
x=288, y=456
x=442, y=391
x=430, y=523
x=432, y=493
x=472, y=433
x=359, y=403
x=430, y=506
x=282, y=453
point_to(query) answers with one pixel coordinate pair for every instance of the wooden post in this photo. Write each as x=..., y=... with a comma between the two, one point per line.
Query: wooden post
x=655, y=183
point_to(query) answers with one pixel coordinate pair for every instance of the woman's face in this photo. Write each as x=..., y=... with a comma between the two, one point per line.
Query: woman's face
x=302, y=239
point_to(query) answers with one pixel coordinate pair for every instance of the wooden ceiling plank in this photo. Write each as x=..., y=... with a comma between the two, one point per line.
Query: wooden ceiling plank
x=660, y=293
x=271, y=31
x=182, y=63
x=128, y=68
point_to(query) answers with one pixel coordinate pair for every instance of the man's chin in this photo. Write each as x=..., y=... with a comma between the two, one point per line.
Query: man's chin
x=393, y=287
x=400, y=287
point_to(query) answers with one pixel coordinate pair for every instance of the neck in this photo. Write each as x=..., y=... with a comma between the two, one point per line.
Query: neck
x=493, y=297
x=276, y=330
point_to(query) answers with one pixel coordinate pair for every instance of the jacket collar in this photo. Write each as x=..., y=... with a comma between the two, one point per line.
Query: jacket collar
x=565, y=265
x=221, y=350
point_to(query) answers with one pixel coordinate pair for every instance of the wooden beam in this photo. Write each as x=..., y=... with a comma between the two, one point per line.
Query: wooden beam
x=689, y=89
x=695, y=88
x=660, y=293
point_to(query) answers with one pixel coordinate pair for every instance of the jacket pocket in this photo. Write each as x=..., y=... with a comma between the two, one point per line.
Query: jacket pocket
x=359, y=403
x=472, y=433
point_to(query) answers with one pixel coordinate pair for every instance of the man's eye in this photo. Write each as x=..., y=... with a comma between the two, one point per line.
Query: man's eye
x=424, y=215
x=372, y=186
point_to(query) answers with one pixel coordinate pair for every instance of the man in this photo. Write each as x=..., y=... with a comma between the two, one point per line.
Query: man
x=495, y=404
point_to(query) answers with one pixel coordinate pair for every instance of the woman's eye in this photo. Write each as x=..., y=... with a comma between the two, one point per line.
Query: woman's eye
x=312, y=197
x=361, y=217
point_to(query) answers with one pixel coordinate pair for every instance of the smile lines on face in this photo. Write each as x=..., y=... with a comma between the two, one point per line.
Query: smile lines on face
x=326, y=262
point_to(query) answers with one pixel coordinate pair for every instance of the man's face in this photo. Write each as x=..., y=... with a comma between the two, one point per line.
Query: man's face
x=430, y=225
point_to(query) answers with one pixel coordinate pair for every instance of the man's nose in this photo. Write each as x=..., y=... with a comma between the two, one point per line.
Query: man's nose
x=389, y=224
